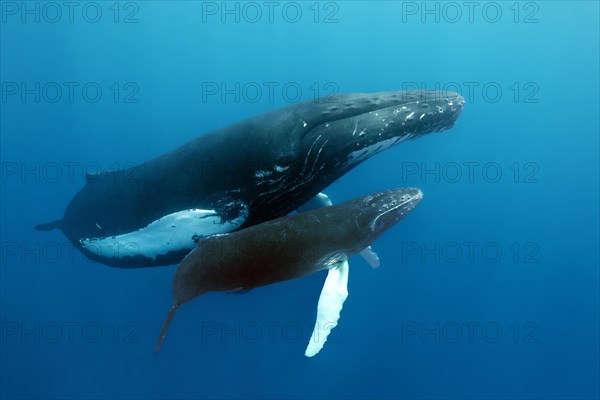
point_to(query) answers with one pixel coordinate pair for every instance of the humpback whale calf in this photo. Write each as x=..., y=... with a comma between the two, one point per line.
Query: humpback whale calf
x=250, y=172
x=292, y=247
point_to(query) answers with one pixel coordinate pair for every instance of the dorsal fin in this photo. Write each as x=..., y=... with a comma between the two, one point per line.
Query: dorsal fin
x=91, y=177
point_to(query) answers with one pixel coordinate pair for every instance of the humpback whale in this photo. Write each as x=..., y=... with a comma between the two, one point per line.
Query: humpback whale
x=253, y=171
x=292, y=247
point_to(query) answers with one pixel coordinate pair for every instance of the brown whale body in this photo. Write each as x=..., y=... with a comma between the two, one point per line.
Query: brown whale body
x=287, y=248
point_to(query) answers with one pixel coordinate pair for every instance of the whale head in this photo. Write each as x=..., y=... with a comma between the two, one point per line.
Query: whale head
x=382, y=210
x=349, y=128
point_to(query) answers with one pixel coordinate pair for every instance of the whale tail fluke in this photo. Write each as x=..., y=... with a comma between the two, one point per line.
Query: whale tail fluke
x=165, y=327
x=49, y=226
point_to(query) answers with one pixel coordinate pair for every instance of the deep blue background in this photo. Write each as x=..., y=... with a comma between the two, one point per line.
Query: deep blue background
x=168, y=53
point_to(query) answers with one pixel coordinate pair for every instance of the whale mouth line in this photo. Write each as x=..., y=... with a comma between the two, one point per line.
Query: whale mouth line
x=411, y=201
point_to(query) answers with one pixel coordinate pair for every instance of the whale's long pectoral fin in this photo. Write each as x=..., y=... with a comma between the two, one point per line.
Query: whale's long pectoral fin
x=319, y=201
x=331, y=301
x=371, y=257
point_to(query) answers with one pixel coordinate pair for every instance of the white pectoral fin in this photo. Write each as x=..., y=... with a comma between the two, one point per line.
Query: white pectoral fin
x=172, y=232
x=331, y=301
x=371, y=257
x=319, y=201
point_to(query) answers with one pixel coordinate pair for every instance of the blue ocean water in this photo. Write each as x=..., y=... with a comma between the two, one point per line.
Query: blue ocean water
x=489, y=289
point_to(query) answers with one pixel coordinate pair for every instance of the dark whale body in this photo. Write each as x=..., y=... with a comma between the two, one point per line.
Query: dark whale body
x=250, y=172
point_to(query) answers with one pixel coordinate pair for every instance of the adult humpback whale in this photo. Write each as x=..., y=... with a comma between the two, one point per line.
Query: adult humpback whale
x=250, y=172
x=292, y=247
